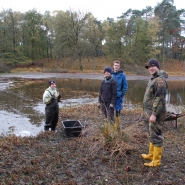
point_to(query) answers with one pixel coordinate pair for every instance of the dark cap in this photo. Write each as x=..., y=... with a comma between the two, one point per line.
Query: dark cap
x=108, y=69
x=153, y=62
x=51, y=82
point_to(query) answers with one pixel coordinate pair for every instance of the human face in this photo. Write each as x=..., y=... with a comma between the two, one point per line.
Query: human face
x=107, y=74
x=116, y=67
x=153, y=69
x=53, y=86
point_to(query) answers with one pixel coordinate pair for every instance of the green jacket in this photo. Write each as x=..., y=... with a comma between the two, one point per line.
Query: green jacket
x=154, y=101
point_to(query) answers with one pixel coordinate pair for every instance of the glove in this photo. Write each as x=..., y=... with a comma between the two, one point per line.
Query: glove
x=111, y=105
x=59, y=96
x=99, y=105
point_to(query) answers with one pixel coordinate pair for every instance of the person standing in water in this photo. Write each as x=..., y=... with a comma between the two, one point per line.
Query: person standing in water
x=51, y=97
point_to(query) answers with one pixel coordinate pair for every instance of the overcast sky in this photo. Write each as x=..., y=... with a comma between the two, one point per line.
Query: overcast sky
x=101, y=9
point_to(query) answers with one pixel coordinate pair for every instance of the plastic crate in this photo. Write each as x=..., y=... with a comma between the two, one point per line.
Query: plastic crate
x=72, y=128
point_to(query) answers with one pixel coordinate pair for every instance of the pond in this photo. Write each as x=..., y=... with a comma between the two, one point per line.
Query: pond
x=22, y=109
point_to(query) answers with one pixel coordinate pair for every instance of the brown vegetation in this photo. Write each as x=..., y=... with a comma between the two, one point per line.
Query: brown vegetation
x=93, y=158
x=90, y=65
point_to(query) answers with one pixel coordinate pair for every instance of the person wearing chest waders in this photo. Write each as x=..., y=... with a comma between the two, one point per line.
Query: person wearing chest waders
x=51, y=97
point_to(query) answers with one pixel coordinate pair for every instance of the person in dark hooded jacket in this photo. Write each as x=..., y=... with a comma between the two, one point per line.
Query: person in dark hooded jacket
x=122, y=87
x=107, y=94
x=154, y=111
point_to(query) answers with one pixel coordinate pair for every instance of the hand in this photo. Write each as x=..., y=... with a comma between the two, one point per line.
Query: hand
x=111, y=105
x=59, y=96
x=152, y=118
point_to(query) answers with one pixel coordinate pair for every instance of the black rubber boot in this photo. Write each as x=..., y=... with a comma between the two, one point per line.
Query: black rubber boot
x=118, y=113
x=52, y=128
x=46, y=127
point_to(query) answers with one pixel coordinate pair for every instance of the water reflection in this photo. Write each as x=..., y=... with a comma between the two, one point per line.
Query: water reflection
x=22, y=109
x=176, y=92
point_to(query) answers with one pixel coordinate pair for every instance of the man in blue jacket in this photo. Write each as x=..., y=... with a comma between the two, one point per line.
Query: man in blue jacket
x=122, y=86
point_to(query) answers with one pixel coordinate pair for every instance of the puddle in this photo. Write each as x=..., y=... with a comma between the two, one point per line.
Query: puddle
x=17, y=124
x=4, y=85
x=76, y=102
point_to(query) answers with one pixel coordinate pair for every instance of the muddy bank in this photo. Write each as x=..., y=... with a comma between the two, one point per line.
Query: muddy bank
x=93, y=159
x=51, y=158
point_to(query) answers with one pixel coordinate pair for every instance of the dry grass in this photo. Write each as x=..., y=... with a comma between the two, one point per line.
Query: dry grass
x=173, y=67
x=63, y=66
x=93, y=158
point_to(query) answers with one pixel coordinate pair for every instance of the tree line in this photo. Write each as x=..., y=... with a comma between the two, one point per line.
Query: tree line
x=134, y=37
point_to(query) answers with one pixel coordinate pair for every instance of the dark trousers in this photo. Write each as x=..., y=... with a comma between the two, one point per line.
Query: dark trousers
x=108, y=111
x=51, y=113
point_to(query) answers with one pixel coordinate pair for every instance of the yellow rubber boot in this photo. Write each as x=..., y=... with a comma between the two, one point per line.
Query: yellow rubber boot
x=150, y=153
x=106, y=129
x=117, y=123
x=156, y=157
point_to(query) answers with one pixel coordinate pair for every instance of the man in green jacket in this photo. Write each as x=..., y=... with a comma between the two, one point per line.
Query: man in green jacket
x=154, y=111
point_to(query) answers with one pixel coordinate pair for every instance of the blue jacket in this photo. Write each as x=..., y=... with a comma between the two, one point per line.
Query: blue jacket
x=122, y=84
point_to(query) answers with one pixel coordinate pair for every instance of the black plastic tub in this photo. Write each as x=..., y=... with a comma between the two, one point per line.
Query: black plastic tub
x=72, y=128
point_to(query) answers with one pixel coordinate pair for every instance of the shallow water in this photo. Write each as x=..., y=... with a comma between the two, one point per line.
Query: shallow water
x=21, y=106
x=22, y=109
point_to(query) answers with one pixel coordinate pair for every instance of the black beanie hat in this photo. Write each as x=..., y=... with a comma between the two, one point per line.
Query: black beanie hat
x=153, y=62
x=108, y=69
x=51, y=82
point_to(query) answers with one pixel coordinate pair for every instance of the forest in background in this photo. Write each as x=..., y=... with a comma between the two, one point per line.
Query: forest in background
x=69, y=36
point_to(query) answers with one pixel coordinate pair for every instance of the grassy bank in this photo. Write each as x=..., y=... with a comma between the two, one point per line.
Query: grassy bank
x=173, y=67
x=95, y=157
